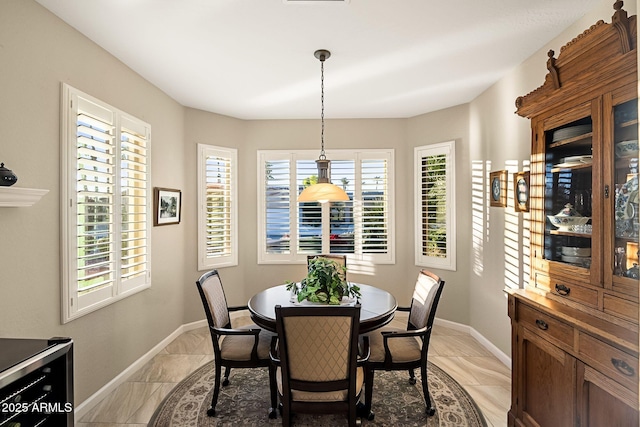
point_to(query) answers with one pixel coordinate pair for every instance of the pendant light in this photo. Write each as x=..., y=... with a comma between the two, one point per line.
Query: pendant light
x=324, y=191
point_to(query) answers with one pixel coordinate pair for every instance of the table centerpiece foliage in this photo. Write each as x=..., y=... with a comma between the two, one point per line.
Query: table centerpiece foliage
x=324, y=283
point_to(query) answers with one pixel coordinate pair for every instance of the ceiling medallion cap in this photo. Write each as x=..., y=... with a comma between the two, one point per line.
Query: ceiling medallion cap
x=322, y=54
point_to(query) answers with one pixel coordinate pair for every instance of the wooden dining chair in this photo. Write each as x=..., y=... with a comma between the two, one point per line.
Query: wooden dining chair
x=319, y=369
x=243, y=347
x=394, y=349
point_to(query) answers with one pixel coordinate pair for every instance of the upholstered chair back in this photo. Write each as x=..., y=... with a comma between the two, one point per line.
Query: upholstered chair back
x=216, y=300
x=318, y=347
x=424, y=295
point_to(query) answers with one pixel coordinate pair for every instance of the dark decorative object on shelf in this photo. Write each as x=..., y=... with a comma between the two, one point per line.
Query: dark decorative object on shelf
x=7, y=177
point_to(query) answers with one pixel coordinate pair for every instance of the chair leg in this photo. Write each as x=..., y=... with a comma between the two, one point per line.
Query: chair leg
x=274, y=393
x=366, y=412
x=226, y=376
x=412, y=377
x=286, y=414
x=430, y=410
x=216, y=390
x=352, y=415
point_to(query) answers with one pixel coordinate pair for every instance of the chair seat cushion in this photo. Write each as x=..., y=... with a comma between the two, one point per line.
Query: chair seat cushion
x=238, y=347
x=325, y=396
x=404, y=349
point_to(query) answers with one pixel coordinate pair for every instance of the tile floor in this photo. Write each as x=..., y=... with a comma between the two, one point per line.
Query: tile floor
x=133, y=403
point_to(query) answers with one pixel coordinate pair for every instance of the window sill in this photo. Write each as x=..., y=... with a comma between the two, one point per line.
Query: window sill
x=16, y=197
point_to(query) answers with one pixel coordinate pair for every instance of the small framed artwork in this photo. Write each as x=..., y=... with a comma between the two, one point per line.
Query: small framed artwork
x=167, y=204
x=498, y=188
x=521, y=191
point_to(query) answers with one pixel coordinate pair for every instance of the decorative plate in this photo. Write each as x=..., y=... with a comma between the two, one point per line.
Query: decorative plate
x=626, y=149
x=626, y=196
x=495, y=189
x=570, y=132
x=574, y=161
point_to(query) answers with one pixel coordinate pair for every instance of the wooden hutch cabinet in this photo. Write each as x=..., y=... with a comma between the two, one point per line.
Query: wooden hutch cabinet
x=575, y=325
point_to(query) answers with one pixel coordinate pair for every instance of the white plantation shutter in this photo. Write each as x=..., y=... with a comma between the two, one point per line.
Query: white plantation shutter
x=361, y=227
x=134, y=202
x=105, y=213
x=375, y=206
x=309, y=218
x=217, y=213
x=435, y=206
x=94, y=200
x=341, y=215
x=277, y=194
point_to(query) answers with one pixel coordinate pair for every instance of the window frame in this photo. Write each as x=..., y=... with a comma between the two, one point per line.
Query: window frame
x=447, y=262
x=75, y=304
x=204, y=262
x=358, y=156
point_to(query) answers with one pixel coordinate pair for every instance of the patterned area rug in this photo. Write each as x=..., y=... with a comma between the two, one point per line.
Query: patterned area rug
x=245, y=402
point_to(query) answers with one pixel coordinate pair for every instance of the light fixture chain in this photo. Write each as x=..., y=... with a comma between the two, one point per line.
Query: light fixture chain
x=322, y=155
x=323, y=190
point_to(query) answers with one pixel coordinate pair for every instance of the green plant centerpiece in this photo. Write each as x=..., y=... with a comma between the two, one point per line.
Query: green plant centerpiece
x=324, y=283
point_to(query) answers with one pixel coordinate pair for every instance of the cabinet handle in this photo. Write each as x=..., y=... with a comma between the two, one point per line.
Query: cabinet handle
x=542, y=324
x=623, y=367
x=562, y=290
x=606, y=191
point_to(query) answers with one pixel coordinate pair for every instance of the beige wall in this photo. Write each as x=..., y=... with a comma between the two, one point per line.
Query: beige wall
x=250, y=136
x=207, y=128
x=38, y=52
x=440, y=126
x=500, y=140
x=305, y=134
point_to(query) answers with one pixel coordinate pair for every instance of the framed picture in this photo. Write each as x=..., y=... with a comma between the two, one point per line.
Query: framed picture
x=166, y=206
x=498, y=188
x=521, y=191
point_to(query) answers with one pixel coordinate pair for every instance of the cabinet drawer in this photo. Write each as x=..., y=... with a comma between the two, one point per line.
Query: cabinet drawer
x=545, y=325
x=568, y=290
x=541, y=281
x=621, y=307
x=614, y=363
x=626, y=286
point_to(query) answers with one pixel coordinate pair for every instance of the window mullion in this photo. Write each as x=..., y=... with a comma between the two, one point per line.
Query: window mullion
x=294, y=208
x=117, y=206
x=358, y=210
x=326, y=227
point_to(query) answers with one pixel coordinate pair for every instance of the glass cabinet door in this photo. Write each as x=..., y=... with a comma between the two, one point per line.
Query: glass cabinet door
x=625, y=171
x=568, y=193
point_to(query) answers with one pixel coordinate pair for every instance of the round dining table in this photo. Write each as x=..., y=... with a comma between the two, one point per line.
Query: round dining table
x=377, y=306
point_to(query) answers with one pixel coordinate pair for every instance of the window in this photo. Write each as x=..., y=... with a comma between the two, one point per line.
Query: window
x=217, y=207
x=105, y=211
x=362, y=227
x=435, y=213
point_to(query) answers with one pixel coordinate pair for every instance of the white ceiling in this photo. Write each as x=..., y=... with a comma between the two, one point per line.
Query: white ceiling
x=253, y=59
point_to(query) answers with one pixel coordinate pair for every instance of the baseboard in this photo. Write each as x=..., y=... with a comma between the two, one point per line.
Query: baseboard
x=82, y=409
x=499, y=354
